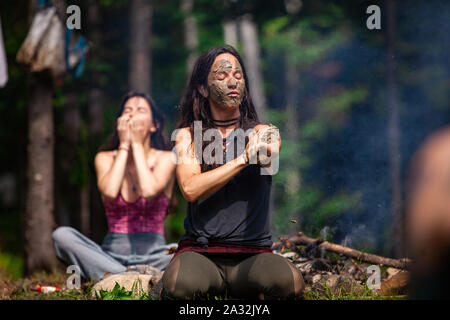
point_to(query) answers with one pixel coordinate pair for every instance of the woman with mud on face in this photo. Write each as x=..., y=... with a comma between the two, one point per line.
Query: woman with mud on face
x=135, y=178
x=226, y=249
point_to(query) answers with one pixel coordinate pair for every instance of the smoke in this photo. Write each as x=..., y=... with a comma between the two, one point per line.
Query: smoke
x=356, y=158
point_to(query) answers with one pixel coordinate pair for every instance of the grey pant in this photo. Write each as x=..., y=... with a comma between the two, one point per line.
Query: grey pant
x=239, y=275
x=114, y=255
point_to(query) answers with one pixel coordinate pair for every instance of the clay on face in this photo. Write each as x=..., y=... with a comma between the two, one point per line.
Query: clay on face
x=225, y=76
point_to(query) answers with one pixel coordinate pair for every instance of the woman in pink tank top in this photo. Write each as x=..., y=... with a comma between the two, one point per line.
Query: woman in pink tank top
x=135, y=176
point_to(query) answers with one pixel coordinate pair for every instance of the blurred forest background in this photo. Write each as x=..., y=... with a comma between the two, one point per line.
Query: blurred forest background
x=352, y=105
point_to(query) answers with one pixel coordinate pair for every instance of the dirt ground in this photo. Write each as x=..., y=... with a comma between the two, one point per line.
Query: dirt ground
x=25, y=288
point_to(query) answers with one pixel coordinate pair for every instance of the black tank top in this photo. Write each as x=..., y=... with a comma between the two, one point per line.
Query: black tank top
x=238, y=213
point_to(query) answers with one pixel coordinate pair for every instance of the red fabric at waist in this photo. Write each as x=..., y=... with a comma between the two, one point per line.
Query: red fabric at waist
x=189, y=245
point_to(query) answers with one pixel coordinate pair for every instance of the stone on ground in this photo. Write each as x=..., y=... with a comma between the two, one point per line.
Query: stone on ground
x=141, y=278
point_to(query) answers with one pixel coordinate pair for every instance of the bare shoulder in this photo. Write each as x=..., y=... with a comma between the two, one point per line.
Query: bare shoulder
x=184, y=145
x=104, y=155
x=167, y=157
x=104, y=158
x=183, y=133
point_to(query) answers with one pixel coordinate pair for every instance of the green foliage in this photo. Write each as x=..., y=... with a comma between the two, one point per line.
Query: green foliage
x=120, y=293
x=335, y=108
x=12, y=265
x=79, y=174
x=332, y=207
x=315, y=128
x=114, y=3
x=305, y=42
x=301, y=44
x=11, y=258
x=59, y=100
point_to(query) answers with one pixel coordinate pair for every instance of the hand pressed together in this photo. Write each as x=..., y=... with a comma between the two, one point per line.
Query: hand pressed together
x=132, y=129
x=138, y=127
x=263, y=145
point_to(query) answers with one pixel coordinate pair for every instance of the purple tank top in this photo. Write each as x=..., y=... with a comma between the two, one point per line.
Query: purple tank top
x=140, y=216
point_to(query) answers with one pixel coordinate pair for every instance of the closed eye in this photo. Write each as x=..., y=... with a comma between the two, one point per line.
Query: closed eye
x=221, y=75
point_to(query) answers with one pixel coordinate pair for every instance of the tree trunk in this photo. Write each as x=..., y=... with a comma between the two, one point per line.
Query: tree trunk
x=393, y=133
x=140, y=46
x=39, y=207
x=292, y=84
x=92, y=213
x=249, y=39
x=67, y=195
x=85, y=210
x=294, y=179
x=190, y=33
x=39, y=220
x=230, y=32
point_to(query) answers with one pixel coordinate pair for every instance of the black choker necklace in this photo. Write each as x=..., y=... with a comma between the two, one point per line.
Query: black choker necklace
x=225, y=125
x=228, y=122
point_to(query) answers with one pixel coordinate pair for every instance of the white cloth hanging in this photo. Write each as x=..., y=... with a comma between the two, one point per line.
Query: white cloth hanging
x=44, y=46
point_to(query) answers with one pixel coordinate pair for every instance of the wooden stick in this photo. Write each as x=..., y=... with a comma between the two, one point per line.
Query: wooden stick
x=302, y=239
x=286, y=243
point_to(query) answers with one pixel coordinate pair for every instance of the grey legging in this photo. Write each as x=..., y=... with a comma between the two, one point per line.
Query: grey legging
x=263, y=275
x=114, y=255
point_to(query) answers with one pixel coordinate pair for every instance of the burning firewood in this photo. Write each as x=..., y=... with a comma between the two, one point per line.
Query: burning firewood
x=286, y=243
x=355, y=264
x=311, y=243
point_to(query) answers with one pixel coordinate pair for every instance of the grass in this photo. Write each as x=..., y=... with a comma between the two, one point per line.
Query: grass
x=12, y=265
x=23, y=288
x=11, y=259
x=367, y=294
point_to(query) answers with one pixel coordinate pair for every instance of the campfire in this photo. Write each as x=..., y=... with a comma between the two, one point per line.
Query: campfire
x=331, y=270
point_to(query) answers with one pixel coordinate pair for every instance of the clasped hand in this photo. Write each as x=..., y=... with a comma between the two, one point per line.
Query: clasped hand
x=131, y=129
x=263, y=145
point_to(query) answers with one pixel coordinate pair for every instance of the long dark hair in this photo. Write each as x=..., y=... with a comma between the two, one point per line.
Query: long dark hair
x=194, y=106
x=158, y=139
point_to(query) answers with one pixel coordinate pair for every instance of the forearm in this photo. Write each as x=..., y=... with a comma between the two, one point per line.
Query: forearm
x=110, y=184
x=207, y=183
x=148, y=182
